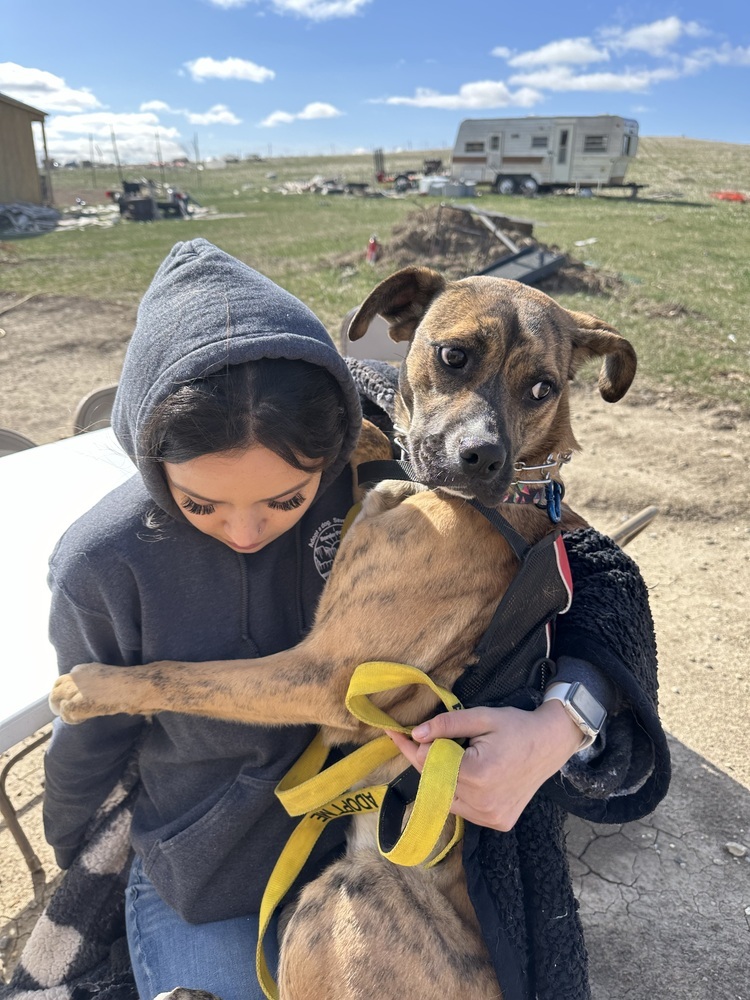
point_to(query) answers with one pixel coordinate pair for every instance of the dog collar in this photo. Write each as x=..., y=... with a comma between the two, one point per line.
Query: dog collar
x=547, y=496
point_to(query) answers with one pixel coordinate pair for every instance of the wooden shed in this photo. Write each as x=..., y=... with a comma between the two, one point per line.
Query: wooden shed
x=20, y=179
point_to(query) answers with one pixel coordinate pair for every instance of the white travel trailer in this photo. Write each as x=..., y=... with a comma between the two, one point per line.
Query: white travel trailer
x=528, y=154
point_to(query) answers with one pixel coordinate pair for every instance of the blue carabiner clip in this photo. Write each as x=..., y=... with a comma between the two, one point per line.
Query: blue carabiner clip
x=553, y=496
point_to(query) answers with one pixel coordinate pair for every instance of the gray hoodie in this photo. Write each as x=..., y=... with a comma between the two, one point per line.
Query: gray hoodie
x=207, y=824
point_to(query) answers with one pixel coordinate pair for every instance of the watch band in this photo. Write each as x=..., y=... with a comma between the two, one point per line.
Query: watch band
x=583, y=708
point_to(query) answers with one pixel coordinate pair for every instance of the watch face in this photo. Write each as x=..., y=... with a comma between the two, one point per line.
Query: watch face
x=590, y=710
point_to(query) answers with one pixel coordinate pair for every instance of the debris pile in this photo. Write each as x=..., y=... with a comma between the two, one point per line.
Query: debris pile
x=83, y=216
x=461, y=241
x=329, y=185
x=452, y=240
x=145, y=201
x=23, y=218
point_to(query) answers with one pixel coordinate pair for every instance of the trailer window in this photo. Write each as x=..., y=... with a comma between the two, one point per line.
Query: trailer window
x=562, y=149
x=494, y=142
x=474, y=147
x=595, y=143
x=626, y=144
x=539, y=141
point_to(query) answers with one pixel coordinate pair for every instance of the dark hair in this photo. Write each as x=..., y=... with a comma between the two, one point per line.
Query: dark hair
x=293, y=408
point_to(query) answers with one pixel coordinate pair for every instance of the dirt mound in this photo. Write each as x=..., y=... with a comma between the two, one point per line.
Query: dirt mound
x=457, y=243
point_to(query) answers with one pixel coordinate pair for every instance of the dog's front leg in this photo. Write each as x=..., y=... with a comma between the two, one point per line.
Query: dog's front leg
x=306, y=684
x=294, y=686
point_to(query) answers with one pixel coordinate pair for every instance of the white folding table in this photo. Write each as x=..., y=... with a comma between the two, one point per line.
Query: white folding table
x=42, y=491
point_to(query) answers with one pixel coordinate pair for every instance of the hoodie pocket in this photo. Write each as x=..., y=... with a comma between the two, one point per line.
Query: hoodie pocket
x=217, y=866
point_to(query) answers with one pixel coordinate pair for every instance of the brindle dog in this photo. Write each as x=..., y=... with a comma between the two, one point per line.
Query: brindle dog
x=417, y=578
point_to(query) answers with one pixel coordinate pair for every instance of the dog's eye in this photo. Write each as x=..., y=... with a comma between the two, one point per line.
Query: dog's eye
x=453, y=357
x=540, y=390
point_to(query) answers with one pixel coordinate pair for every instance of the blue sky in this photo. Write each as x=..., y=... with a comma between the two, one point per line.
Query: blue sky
x=295, y=77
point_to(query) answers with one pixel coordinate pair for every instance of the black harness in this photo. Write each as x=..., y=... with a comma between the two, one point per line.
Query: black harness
x=514, y=652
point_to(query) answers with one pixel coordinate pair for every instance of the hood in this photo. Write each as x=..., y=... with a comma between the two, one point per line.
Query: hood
x=205, y=310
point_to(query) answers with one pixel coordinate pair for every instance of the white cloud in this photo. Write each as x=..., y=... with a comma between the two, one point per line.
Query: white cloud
x=318, y=109
x=315, y=10
x=277, y=118
x=553, y=67
x=102, y=123
x=655, y=38
x=726, y=55
x=77, y=120
x=70, y=137
x=219, y=114
x=574, y=51
x=320, y=10
x=206, y=68
x=44, y=90
x=315, y=110
x=561, y=78
x=565, y=65
x=480, y=94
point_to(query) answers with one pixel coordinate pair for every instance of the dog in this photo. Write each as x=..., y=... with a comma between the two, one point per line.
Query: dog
x=483, y=392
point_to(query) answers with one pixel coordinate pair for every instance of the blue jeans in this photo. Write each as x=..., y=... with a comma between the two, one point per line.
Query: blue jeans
x=166, y=951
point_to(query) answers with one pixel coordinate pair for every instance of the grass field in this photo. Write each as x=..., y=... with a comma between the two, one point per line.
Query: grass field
x=682, y=257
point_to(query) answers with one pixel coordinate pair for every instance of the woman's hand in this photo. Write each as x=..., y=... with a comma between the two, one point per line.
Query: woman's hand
x=511, y=753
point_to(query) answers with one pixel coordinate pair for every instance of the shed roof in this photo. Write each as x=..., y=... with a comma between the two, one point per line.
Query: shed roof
x=34, y=113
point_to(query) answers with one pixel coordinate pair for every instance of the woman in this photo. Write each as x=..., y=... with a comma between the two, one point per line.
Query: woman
x=241, y=417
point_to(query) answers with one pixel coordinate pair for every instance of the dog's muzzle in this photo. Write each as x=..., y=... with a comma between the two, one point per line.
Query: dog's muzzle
x=481, y=461
x=475, y=468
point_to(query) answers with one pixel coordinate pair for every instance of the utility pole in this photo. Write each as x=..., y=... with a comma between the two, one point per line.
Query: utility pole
x=197, y=157
x=160, y=161
x=117, y=157
x=91, y=160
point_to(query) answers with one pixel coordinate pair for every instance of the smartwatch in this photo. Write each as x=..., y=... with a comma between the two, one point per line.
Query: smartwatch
x=583, y=708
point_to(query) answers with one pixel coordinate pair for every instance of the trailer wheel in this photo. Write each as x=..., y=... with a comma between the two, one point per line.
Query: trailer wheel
x=528, y=186
x=401, y=183
x=505, y=185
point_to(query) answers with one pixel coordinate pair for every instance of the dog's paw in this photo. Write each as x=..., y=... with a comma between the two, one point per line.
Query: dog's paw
x=389, y=494
x=67, y=701
x=89, y=690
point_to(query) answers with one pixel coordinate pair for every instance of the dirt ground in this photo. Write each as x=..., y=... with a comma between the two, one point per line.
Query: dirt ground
x=648, y=449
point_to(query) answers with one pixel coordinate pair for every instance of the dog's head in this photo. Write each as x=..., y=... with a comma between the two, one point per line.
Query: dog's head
x=485, y=382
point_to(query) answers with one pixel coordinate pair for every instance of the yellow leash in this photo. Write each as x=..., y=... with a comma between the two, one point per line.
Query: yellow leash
x=325, y=795
x=437, y=785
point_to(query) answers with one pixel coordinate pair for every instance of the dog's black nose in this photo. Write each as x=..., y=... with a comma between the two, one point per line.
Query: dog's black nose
x=481, y=459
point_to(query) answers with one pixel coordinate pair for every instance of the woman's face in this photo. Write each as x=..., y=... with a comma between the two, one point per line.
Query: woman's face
x=245, y=499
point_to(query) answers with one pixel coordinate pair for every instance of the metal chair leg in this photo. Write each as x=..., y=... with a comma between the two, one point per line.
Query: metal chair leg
x=9, y=813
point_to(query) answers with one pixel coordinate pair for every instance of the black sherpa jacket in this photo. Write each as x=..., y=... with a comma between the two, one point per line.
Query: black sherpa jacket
x=519, y=881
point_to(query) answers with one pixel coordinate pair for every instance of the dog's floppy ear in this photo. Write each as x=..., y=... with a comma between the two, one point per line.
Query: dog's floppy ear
x=402, y=300
x=594, y=338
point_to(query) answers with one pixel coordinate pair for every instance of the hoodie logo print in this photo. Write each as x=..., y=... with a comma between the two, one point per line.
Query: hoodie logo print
x=325, y=545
